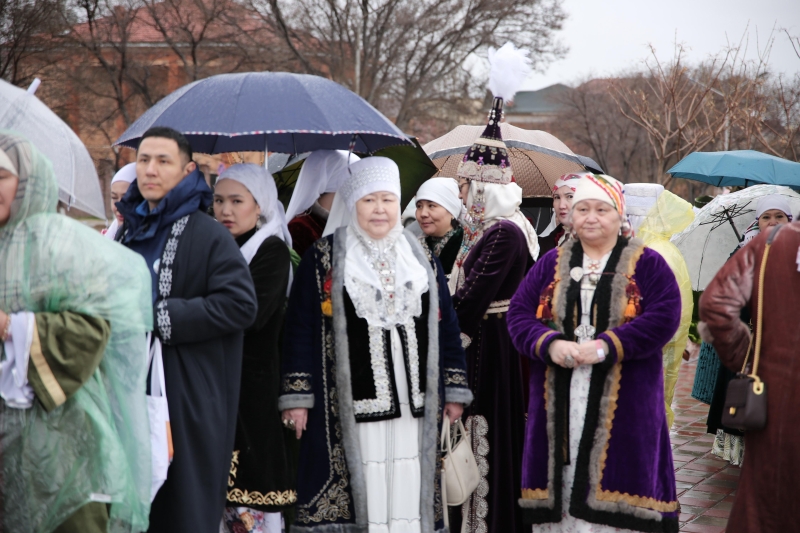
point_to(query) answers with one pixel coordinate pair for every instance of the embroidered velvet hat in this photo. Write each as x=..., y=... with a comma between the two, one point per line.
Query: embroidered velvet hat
x=487, y=159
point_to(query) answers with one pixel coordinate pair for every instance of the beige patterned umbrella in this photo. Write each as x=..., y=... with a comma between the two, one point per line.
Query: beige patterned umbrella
x=537, y=158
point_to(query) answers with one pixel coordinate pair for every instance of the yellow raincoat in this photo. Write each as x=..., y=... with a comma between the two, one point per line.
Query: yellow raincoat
x=671, y=215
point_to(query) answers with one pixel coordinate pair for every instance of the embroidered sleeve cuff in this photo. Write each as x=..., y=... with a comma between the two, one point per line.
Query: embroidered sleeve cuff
x=296, y=382
x=458, y=395
x=615, y=350
x=455, y=377
x=295, y=401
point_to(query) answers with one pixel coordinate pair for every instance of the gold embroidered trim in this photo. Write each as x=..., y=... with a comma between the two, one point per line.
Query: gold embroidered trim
x=638, y=501
x=246, y=497
x=45, y=372
x=298, y=385
x=277, y=498
x=617, y=344
x=455, y=376
x=535, y=494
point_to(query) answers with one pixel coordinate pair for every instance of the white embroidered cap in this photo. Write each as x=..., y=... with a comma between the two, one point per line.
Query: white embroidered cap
x=370, y=175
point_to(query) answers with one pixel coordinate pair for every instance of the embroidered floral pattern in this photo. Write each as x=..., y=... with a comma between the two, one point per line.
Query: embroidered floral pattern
x=165, y=278
x=246, y=497
x=417, y=397
x=455, y=376
x=379, y=306
x=476, y=508
x=296, y=382
x=382, y=403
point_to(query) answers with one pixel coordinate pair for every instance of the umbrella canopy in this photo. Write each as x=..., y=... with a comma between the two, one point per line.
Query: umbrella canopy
x=278, y=111
x=717, y=230
x=78, y=184
x=737, y=168
x=537, y=158
x=414, y=164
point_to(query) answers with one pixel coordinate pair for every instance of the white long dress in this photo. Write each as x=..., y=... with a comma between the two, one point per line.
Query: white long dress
x=578, y=400
x=390, y=455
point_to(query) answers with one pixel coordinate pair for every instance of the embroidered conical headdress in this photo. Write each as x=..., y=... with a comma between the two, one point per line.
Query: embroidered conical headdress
x=487, y=159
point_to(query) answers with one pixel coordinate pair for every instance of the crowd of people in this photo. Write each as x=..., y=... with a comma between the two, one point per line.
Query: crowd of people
x=312, y=355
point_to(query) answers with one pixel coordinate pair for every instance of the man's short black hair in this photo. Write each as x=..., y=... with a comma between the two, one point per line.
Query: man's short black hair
x=168, y=133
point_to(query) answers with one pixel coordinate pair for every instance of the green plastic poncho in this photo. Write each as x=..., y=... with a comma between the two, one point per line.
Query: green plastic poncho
x=96, y=445
x=671, y=215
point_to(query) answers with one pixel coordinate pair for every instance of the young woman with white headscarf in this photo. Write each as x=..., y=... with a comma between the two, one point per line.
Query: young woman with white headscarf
x=322, y=174
x=119, y=186
x=262, y=479
x=439, y=213
x=374, y=364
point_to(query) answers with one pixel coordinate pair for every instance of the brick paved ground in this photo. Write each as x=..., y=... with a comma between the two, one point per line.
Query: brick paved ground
x=706, y=484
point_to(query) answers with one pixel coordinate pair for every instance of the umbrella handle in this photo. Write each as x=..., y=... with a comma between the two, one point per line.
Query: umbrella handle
x=730, y=219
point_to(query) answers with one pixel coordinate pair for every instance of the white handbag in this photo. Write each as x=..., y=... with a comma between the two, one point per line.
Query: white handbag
x=460, y=473
x=161, y=450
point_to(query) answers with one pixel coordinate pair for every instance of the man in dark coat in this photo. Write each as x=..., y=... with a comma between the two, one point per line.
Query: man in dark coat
x=203, y=299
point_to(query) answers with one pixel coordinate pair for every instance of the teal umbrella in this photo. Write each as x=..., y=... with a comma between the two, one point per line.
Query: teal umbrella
x=737, y=168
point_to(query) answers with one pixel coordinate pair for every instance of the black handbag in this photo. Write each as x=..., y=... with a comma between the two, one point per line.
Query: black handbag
x=746, y=398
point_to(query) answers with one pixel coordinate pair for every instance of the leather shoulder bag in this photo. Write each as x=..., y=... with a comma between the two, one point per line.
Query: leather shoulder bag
x=746, y=398
x=460, y=473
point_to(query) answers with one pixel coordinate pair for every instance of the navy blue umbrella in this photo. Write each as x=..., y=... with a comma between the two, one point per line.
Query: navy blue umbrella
x=275, y=111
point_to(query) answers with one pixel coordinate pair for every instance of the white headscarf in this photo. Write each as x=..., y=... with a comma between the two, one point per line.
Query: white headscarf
x=365, y=284
x=262, y=186
x=126, y=174
x=443, y=191
x=323, y=171
x=501, y=202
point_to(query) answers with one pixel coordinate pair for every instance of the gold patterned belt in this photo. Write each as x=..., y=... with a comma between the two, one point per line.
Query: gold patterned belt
x=497, y=308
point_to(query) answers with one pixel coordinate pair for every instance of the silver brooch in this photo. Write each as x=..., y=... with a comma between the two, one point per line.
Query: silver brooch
x=576, y=274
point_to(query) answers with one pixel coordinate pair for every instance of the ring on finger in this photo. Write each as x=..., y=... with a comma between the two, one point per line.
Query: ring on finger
x=288, y=423
x=569, y=361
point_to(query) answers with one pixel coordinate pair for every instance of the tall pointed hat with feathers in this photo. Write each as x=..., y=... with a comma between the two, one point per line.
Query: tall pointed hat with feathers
x=487, y=159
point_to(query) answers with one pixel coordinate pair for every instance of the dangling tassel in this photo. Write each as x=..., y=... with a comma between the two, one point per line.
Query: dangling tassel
x=544, y=312
x=634, y=308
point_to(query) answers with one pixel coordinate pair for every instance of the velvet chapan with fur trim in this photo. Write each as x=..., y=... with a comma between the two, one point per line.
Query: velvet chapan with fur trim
x=624, y=474
x=317, y=374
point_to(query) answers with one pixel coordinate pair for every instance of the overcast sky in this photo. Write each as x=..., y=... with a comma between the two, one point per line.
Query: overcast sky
x=607, y=36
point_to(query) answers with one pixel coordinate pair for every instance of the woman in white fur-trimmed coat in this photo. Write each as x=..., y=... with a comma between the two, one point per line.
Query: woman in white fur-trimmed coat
x=372, y=360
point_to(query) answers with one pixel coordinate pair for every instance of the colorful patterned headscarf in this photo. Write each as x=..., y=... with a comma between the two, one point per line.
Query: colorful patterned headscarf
x=606, y=189
x=570, y=180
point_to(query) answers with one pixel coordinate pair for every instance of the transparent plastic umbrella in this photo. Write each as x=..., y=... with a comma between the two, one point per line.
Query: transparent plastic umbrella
x=78, y=184
x=717, y=230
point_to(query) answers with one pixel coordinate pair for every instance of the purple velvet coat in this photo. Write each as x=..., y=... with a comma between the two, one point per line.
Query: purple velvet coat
x=624, y=474
x=494, y=269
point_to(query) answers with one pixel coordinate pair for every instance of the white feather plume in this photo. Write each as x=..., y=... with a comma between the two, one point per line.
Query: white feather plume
x=509, y=66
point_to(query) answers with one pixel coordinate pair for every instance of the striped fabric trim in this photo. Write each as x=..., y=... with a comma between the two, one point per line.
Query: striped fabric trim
x=45, y=372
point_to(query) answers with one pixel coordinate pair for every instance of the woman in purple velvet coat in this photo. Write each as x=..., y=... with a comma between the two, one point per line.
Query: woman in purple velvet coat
x=593, y=318
x=498, y=248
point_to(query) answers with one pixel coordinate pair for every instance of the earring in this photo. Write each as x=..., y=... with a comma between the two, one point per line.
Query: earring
x=259, y=223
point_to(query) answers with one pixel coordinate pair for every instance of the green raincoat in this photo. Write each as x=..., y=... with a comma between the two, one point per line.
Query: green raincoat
x=86, y=437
